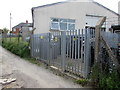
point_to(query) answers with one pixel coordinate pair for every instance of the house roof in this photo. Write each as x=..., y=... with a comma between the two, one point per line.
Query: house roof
x=23, y=25
x=47, y=5
x=50, y=4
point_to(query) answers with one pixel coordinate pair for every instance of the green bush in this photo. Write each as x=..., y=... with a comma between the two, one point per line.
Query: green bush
x=111, y=80
x=94, y=76
x=105, y=80
x=20, y=49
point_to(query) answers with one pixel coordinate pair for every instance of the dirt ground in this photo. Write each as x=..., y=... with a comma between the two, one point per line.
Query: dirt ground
x=29, y=75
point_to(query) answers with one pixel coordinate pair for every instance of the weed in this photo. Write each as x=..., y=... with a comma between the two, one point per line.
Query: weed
x=83, y=82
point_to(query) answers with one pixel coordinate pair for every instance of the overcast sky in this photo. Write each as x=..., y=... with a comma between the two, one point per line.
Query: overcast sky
x=21, y=9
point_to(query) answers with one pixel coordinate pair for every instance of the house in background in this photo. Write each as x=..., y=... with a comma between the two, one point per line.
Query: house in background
x=16, y=29
x=1, y=32
x=26, y=32
x=23, y=29
x=70, y=15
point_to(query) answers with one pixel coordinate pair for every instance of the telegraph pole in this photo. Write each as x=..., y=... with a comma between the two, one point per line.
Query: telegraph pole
x=10, y=21
x=10, y=26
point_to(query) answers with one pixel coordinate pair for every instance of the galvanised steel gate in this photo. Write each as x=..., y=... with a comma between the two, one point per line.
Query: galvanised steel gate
x=66, y=50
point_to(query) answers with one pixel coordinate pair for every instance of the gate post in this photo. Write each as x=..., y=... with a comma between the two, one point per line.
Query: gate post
x=63, y=49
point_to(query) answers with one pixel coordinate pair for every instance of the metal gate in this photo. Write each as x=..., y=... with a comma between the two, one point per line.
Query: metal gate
x=66, y=50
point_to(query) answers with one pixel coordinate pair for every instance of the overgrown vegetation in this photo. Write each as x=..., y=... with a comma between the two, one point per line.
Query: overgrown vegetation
x=19, y=48
x=83, y=82
x=103, y=79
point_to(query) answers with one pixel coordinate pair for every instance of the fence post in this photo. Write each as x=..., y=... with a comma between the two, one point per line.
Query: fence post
x=63, y=49
x=97, y=38
x=31, y=45
x=87, y=53
x=49, y=48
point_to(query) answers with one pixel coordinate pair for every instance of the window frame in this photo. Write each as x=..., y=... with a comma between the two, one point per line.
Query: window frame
x=59, y=21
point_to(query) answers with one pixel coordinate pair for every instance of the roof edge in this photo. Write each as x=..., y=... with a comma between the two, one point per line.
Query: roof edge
x=51, y=4
x=106, y=8
x=67, y=1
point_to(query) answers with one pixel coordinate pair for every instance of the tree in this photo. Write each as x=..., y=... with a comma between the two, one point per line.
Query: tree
x=5, y=30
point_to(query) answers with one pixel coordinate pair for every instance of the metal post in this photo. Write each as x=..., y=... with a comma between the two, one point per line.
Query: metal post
x=63, y=49
x=31, y=45
x=87, y=53
x=49, y=48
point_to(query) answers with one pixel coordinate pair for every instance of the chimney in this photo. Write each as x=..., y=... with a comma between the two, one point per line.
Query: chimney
x=26, y=21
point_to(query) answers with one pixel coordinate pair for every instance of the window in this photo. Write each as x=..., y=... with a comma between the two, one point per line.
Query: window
x=71, y=26
x=54, y=20
x=62, y=24
x=55, y=26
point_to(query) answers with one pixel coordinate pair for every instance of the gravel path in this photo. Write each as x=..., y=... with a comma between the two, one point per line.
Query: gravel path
x=29, y=75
